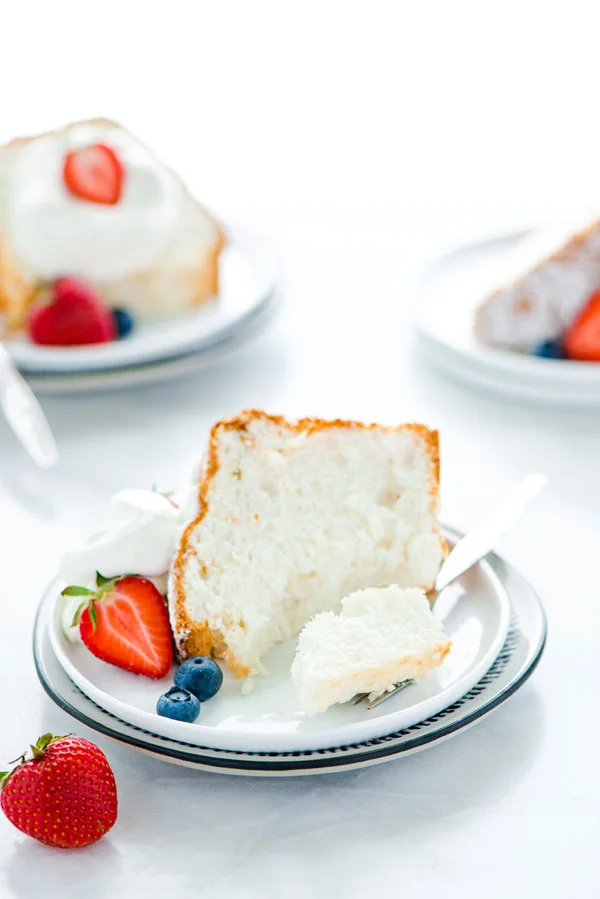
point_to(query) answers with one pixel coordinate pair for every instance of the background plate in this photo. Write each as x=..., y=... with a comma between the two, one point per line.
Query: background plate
x=475, y=612
x=163, y=370
x=447, y=294
x=516, y=661
x=248, y=276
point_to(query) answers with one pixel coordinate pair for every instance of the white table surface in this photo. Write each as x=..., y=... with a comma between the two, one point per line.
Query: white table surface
x=509, y=808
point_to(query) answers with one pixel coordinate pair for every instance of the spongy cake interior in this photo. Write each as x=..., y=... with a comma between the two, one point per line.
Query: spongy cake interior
x=295, y=517
x=380, y=637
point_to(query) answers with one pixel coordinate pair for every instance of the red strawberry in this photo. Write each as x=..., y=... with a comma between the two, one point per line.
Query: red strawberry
x=95, y=174
x=64, y=796
x=76, y=315
x=582, y=340
x=125, y=622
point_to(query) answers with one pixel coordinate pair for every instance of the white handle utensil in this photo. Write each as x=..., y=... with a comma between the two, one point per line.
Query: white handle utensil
x=24, y=414
x=471, y=549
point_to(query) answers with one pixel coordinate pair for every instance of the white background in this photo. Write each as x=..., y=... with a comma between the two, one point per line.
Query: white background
x=361, y=136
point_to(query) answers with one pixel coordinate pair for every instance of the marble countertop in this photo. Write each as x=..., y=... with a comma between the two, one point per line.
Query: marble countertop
x=508, y=808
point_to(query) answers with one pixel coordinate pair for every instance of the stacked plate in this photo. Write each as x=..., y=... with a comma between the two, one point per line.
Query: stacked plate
x=167, y=347
x=492, y=615
x=449, y=290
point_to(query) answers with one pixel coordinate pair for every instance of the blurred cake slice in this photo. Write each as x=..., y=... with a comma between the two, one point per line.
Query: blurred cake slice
x=293, y=517
x=154, y=250
x=380, y=637
x=558, y=274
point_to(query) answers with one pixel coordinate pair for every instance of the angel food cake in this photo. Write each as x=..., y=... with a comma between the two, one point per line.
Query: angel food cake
x=292, y=518
x=380, y=638
x=290, y=521
x=551, y=306
x=90, y=204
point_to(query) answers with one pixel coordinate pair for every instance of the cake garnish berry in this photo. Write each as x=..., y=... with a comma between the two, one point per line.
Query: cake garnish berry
x=550, y=349
x=95, y=174
x=179, y=704
x=64, y=795
x=125, y=622
x=75, y=315
x=582, y=340
x=124, y=322
x=201, y=676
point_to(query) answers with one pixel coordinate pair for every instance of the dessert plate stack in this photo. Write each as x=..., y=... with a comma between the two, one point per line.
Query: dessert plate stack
x=167, y=347
x=447, y=295
x=492, y=615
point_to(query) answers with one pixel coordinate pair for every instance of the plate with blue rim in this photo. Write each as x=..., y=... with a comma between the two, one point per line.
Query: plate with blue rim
x=270, y=735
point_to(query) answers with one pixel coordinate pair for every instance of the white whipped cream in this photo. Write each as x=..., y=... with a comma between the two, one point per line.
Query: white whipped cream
x=140, y=538
x=56, y=234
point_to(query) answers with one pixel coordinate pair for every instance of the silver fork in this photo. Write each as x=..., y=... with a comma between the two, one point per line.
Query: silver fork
x=470, y=550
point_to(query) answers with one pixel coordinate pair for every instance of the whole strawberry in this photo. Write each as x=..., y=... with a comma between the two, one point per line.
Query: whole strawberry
x=65, y=795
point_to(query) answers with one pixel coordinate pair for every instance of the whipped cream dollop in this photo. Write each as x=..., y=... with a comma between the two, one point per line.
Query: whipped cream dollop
x=55, y=234
x=140, y=537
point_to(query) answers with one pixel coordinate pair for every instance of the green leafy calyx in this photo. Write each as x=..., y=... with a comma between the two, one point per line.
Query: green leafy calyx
x=77, y=591
x=37, y=752
x=104, y=585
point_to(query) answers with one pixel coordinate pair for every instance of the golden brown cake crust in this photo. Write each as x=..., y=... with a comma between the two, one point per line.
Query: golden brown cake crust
x=197, y=638
x=17, y=293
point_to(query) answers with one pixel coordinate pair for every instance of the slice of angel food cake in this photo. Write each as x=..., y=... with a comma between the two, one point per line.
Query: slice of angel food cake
x=295, y=516
x=380, y=638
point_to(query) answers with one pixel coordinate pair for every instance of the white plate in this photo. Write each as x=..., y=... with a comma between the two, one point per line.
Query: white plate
x=248, y=275
x=163, y=370
x=448, y=292
x=475, y=613
x=513, y=665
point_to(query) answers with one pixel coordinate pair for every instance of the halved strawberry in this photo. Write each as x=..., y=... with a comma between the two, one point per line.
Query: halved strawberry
x=95, y=174
x=125, y=622
x=582, y=340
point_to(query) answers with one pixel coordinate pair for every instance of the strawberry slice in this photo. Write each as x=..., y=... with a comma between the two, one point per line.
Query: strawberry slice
x=582, y=340
x=125, y=622
x=94, y=174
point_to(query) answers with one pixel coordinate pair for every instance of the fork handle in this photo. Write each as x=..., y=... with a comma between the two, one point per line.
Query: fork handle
x=482, y=540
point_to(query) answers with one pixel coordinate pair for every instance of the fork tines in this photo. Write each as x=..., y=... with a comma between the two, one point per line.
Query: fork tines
x=361, y=698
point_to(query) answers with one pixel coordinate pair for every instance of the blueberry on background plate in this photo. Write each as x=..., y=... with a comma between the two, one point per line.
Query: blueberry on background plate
x=124, y=322
x=178, y=704
x=550, y=349
x=201, y=676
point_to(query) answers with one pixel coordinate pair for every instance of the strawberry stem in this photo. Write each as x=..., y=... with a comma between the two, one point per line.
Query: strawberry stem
x=37, y=752
x=41, y=745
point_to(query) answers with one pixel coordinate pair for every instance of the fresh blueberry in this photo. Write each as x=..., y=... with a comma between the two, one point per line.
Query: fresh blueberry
x=178, y=704
x=550, y=349
x=124, y=322
x=201, y=676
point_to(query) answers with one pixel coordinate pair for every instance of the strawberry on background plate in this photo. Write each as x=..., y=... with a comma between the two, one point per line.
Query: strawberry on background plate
x=75, y=316
x=65, y=795
x=582, y=340
x=95, y=174
x=125, y=622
